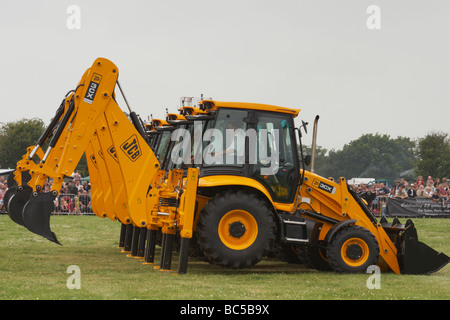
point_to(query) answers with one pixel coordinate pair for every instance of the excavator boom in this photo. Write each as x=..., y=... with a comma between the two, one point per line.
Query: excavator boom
x=127, y=182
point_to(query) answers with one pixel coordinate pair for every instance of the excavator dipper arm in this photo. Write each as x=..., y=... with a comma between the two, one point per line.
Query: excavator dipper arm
x=127, y=182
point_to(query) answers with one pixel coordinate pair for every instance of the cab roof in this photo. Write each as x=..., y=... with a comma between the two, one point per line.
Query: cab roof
x=248, y=105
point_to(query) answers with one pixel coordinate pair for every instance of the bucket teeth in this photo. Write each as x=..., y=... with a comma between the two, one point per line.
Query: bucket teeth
x=414, y=257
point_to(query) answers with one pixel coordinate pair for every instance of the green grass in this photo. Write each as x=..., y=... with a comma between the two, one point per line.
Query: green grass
x=34, y=268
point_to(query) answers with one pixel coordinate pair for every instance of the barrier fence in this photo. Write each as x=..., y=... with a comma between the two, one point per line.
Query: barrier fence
x=409, y=207
x=68, y=203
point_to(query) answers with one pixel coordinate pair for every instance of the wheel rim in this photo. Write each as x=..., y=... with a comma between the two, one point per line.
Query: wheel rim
x=238, y=229
x=355, y=252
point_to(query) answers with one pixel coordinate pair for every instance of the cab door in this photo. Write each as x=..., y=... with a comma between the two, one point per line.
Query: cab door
x=276, y=165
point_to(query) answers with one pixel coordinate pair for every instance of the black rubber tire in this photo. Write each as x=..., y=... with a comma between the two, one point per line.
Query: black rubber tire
x=364, y=242
x=216, y=250
x=316, y=258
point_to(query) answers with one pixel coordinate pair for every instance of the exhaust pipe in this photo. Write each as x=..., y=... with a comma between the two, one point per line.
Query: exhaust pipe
x=313, y=153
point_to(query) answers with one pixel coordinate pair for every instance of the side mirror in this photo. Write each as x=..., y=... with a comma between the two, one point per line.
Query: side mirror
x=304, y=125
x=307, y=160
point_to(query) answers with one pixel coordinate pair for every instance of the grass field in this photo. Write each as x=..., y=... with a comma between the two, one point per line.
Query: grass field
x=34, y=268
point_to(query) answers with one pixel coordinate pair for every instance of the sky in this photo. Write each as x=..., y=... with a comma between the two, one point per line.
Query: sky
x=361, y=70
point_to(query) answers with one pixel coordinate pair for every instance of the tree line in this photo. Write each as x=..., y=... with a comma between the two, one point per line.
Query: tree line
x=376, y=156
x=382, y=157
x=17, y=136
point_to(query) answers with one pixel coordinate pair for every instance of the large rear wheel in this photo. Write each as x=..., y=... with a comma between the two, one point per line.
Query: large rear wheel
x=236, y=229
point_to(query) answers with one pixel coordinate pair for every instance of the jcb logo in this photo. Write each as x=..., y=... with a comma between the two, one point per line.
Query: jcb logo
x=131, y=148
x=112, y=153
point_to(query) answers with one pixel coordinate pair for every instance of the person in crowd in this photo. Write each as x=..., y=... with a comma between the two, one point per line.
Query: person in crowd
x=392, y=192
x=435, y=197
x=430, y=181
x=421, y=192
x=401, y=183
x=383, y=190
x=86, y=186
x=72, y=188
x=437, y=182
x=64, y=206
x=77, y=176
x=401, y=192
x=412, y=191
x=420, y=181
x=430, y=185
x=85, y=202
x=2, y=206
x=78, y=185
x=442, y=193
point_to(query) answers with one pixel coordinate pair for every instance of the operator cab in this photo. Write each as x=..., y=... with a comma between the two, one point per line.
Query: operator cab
x=250, y=140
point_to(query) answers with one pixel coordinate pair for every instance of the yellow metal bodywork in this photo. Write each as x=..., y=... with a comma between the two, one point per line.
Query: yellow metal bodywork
x=229, y=180
x=126, y=181
x=250, y=106
x=339, y=204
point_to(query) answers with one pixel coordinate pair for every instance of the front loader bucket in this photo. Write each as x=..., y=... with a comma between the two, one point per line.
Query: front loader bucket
x=16, y=202
x=416, y=257
x=36, y=215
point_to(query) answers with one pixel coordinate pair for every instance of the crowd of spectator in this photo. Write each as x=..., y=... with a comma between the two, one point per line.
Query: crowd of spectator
x=74, y=196
x=436, y=190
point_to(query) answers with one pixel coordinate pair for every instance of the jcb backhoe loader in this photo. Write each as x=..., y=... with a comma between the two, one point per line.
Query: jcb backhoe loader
x=239, y=195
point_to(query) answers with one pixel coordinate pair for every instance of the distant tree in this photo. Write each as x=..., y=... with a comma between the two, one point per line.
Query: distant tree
x=433, y=155
x=82, y=166
x=320, y=159
x=376, y=156
x=16, y=137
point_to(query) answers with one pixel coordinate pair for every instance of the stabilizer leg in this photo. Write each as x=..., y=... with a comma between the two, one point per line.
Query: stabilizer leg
x=128, y=238
x=149, y=255
x=141, y=245
x=135, y=241
x=184, y=253
x=123, y=230
x=166, y=254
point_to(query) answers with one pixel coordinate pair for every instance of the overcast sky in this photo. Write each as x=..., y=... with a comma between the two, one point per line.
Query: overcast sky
x=316, y=55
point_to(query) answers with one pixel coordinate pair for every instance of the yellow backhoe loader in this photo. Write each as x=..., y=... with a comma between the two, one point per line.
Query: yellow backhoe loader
x=230, y=175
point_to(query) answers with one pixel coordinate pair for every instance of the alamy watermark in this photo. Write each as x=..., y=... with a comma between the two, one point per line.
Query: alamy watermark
x=374, y=281
x=74, y=280
x=373, y=21
x=258, y=147
x=73, y=21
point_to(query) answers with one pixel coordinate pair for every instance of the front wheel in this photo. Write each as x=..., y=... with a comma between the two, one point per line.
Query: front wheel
x=236, y=229
x=352, y=250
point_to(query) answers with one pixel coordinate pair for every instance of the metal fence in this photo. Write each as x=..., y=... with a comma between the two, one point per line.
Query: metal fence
x=378, y=205
x=68, y=204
